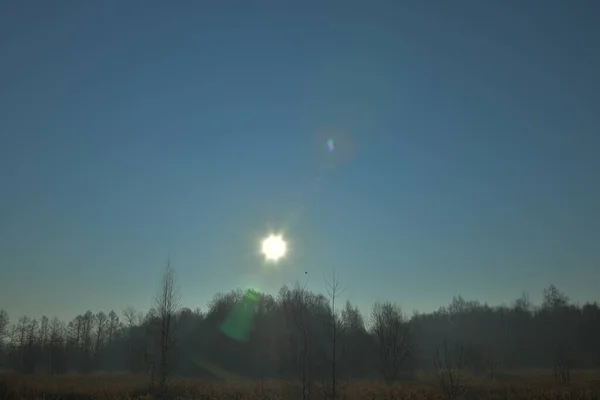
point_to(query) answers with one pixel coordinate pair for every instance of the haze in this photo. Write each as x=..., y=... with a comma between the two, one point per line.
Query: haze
x=465, y=161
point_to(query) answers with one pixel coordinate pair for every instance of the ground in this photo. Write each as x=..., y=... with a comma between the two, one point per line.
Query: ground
x=516, y=385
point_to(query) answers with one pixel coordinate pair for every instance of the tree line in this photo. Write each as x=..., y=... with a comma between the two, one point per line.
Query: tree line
x=302, y=335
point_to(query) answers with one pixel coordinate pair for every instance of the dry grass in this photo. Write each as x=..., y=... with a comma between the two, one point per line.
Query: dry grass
x=517, y=385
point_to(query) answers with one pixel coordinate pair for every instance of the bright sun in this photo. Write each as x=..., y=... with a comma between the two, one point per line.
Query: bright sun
x=274, y=247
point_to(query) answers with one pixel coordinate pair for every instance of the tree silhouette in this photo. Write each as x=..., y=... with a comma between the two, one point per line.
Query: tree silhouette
x=393, y=338
x=166, y=305
x=291, y=337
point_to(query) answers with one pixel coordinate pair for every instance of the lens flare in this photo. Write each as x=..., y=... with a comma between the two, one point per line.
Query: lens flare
x=330, y=145
x=239, y=321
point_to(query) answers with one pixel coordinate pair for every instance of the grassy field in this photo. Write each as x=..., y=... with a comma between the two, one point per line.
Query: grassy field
x=524, y=385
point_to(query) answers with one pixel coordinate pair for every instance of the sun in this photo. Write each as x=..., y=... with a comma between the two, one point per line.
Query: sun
x=274, y=247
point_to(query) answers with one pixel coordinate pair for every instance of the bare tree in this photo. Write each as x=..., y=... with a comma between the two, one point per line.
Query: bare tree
x=334, y=291
x=166, y=306
x=113, y=325
x=4, y=321
x=88, y=322
x=393, y=338
x=22, y=332
x=56, y=333
x=562, y=365
x=523, y=303
x=43, y=333
x=101, y=326
x=449, y=365
x=130, y=315
x=554, y=299
x=355, y=346
x=29, y=351
x=296, y=311
x=74, y=336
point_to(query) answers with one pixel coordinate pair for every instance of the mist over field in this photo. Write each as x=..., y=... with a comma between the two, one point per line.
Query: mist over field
x=304, y=344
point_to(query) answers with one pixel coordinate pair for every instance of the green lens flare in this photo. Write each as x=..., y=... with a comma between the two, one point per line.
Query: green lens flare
x=239, y=321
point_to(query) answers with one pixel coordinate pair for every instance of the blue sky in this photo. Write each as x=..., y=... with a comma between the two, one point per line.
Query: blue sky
x=466, y=149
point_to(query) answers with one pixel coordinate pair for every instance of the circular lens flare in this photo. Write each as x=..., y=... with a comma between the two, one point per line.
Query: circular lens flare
x=330, y=145
x=274, y=248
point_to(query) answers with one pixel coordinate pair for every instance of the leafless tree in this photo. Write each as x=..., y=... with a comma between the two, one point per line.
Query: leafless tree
x=56, y=332
x=138, y=349
x=101, y=326
x=356, y=343
x=334, y=291
x=130, y=315
x=13, y=337
x=75, y=333
x=523, y=303
x=449, y=369
x=88, y=321
x=554, y=299
x=166, y=306
x=22, y=326
x=32, y=330
x=28, y=351
x=42, y=341
x=4, y=321
x=43, y=333
x=393, y=337
x=296, y=310
x=113, y=325
x=562, y=365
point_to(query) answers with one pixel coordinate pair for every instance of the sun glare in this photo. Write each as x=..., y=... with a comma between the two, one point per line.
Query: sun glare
x=274, y=248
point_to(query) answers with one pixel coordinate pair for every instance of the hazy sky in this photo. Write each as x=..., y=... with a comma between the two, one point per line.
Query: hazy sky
x=466, y=160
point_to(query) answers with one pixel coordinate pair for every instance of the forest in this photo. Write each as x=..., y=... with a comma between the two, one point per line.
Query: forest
x=301, y=336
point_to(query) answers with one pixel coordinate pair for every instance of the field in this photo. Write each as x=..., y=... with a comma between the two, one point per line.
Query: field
x=524, y=385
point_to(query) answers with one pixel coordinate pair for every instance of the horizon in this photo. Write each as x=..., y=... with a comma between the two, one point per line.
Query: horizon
x=422, y=151
x=536, y=303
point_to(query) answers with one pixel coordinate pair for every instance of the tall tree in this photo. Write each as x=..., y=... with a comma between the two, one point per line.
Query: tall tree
x=88, y=322
x=113, y=325
x=554, y=299
x=334, y=290
x=43, y=333
x=392, y=334
x=166, y=306
x=131, y=316
x=4, y=321
x=101, y=326
x=56, y=359
x=356, y=343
